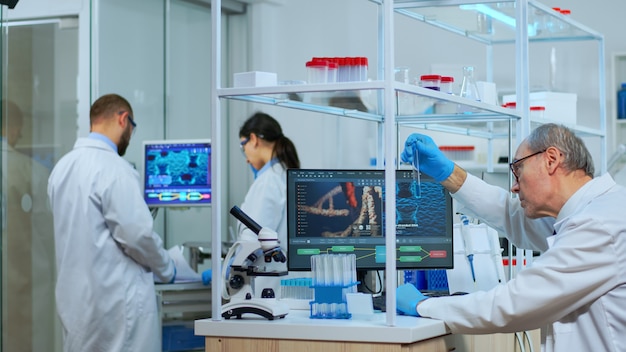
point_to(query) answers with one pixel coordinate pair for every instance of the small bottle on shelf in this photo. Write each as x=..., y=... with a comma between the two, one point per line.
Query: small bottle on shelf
x=317, y=71
x=444, y=107
x=446, y=84
x=537, y=112
x=430, y=81
x=363, y=67
x=333, y=67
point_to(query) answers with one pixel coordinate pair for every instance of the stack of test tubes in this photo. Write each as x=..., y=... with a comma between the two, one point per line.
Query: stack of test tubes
x=334, y=275
x=337, y=69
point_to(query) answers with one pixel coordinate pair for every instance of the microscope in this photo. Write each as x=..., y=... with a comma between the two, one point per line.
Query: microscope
x=243, y=262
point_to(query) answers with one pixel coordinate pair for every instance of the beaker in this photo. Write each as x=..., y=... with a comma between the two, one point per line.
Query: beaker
x=469, y=89
x=401, y=74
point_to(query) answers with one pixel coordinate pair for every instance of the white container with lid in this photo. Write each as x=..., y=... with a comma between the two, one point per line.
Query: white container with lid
x=430, y=81
x=317, y=71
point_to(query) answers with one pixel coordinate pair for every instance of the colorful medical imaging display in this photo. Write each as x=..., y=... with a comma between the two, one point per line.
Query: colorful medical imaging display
x=342, y=211
x=177, y=173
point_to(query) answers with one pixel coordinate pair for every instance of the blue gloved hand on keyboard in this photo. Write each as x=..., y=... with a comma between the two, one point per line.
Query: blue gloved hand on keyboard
x=407, y=298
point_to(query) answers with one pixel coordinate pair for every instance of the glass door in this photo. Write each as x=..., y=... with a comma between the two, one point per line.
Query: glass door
x=39, y=122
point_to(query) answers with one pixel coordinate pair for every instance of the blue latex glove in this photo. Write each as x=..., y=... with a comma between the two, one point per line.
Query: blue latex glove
x=207, y=275
x=407, y=298
x=432, y=161
x=173, y=277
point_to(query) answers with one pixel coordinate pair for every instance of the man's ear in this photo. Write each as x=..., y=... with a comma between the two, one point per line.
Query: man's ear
x=554, y=159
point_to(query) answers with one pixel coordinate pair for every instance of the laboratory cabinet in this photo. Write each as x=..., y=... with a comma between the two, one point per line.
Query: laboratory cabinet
x=394, y=105
x=179, y=305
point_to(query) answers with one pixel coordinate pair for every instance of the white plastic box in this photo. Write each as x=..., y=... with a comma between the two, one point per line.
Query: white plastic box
x=560, y=107
x=254, y=79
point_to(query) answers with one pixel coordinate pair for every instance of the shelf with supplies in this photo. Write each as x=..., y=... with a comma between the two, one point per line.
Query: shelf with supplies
x=414, y=106
x=391, y=104
x=361, y=100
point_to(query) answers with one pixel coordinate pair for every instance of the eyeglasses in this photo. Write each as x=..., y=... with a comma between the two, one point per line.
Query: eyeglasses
x=515, y=165
x=132, y=121
x=242, y=144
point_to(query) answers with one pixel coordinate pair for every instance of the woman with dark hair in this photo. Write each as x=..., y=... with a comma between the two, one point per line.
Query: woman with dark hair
x=270, y=154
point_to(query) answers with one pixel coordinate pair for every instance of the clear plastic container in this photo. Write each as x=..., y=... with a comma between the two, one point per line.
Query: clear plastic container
x=363, y=68
x=447, y=83
x=443, y=107
x=430, y=81
x=333, y=68
x=510, y=105
x=317, y=71
x=402, y=74
x=537, y=112
x=343, y=73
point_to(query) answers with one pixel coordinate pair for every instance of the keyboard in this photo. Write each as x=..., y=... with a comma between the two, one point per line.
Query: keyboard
x=380, y=303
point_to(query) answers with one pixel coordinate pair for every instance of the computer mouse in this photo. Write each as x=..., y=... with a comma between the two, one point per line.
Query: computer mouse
x=458, y=293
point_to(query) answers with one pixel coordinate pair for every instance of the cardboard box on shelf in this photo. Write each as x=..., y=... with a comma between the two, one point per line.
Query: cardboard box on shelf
x=560, y=107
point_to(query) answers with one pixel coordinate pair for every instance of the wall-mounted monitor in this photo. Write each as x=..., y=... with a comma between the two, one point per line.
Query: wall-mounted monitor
x=177, y=173
x=342, y=211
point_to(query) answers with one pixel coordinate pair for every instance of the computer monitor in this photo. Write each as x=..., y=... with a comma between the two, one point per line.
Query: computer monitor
x=177, y=173
x=342, y=211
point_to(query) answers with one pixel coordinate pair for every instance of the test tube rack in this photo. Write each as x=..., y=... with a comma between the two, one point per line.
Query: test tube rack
x=331, y=302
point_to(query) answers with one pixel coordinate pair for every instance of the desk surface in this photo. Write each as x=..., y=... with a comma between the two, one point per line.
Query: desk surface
x=298, y=326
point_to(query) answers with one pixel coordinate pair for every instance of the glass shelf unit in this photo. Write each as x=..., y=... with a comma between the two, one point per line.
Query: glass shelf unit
x=362, y=100
x=494, y=22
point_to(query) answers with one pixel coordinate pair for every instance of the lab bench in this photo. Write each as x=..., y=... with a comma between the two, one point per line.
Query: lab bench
x=297, y=332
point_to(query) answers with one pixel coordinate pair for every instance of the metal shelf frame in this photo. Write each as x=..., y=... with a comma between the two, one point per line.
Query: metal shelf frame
x=485, y=124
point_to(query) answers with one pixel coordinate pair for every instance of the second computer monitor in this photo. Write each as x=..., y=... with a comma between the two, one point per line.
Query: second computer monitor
x=342, y=211
x=177, y=173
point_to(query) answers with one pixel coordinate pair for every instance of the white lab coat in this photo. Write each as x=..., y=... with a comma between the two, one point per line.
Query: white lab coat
x=575, y=290
x=266, y=203
x=106, y=252
x=29, y=253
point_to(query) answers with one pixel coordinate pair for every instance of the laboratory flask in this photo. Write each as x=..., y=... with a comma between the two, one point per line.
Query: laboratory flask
x=469, y=89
